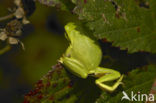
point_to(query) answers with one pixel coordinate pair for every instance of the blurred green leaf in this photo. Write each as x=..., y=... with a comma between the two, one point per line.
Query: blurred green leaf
x=41, y=52
x=128, y=24
x=42, y=47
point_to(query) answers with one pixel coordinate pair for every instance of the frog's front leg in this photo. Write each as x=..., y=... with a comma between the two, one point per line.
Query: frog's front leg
x=74, y=66
x=106, y=75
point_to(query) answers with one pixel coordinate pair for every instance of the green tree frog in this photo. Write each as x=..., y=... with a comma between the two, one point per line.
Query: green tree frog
x=83, y=57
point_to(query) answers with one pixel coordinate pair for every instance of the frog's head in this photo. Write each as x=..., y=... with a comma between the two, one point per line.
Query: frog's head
x=70, y=31
x=69, y=27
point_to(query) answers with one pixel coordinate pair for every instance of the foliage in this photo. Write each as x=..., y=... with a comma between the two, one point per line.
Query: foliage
x=125, y=23
x=61, y=87
x=59, y=4
x=121, y=26
x=138, y=80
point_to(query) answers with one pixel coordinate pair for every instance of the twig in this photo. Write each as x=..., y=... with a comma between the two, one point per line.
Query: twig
x=6, y=17
x=5, y=49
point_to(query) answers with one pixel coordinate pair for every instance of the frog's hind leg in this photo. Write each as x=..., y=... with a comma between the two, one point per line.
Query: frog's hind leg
x=106, y=75
x=75, y=67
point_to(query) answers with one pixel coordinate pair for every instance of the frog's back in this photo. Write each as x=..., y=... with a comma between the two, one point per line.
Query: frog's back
x=84, y=48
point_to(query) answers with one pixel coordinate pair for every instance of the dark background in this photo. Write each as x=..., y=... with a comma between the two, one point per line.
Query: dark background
x=44, y=42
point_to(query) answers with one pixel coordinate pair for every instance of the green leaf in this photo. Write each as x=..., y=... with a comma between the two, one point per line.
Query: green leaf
x=138, y=80
x=153, y=89
x=59, y=86
x=128, y=24
x=52, y=87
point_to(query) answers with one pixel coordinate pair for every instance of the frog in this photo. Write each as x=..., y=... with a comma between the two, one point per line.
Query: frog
x=83, y=57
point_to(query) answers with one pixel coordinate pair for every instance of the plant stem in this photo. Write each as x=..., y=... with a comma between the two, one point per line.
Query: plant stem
x=6, y=17
x=5, y=49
